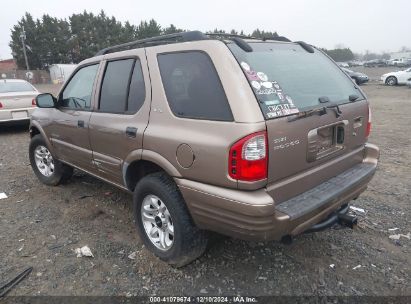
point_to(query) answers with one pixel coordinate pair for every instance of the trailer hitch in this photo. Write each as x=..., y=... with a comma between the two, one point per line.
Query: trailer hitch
x=340, y=216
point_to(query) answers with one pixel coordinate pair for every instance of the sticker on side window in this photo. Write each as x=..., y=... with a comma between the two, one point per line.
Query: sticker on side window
x=274, y=102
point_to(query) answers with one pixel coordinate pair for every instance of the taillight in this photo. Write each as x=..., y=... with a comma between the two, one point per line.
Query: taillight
x=33, y=103
x=368, y=130
x=1, y=105
x=248, y=158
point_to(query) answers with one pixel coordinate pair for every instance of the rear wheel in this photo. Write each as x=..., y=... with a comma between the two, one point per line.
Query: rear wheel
x=391, y=81
x=48, y=170
x=164, y=223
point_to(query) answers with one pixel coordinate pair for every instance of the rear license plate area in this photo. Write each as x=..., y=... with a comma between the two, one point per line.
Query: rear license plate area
x=325, y=140
x=19, y=114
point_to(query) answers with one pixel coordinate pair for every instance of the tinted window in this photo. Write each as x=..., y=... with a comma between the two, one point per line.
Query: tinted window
x=14, y=86
x=77, y=93
x=137, y=93
x=113, y=96
x=286, y=78
x=192, y=86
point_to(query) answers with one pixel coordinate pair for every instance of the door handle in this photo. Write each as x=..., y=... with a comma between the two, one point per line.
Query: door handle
x=131, y=132
x=80, y=123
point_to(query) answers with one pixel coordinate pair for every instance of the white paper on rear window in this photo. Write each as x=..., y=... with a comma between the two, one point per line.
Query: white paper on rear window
x=273, y=100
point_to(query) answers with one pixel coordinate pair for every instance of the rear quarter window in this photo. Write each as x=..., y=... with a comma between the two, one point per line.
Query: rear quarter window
x=192, y=86
x=114, y=89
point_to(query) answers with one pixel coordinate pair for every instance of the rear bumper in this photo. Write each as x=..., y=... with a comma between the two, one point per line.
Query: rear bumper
x=254, y=215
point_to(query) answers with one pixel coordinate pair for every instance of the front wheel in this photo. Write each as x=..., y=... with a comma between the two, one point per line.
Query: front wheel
x=391, y=81
x=164, y=223
x=48, y=170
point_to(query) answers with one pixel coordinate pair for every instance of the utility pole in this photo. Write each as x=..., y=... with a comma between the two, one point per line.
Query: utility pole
x=23, y=38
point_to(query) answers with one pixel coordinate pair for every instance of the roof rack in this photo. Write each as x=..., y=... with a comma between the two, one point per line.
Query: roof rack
x=191, y=36
x=274, y=37
x=227, y=35
x=163, y=39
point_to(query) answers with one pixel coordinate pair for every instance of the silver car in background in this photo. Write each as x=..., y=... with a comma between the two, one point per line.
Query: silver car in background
x=17, y=100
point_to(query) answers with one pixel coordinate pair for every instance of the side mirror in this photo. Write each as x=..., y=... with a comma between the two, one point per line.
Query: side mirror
x=46, y=100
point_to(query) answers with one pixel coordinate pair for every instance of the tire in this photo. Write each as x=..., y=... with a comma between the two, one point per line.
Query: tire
x=56, y=173
x=391, y=81
x=187, y=242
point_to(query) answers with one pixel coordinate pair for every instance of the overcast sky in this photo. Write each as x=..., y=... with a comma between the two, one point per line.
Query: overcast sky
x=375, y=25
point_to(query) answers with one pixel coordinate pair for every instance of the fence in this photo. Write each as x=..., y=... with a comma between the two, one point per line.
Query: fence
x=33, y=76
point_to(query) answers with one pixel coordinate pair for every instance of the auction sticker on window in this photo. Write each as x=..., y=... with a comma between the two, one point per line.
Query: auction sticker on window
x=273, y=101
x=276, y=103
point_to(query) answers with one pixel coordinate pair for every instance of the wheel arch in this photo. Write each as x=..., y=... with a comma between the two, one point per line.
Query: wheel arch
x=36, y=129
x=141, y=163
x=391, y=76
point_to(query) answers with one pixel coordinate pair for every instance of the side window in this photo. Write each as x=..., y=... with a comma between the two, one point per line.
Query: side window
x=192, y=86
x=114, y=89
x=137, y=93
x=77, y=93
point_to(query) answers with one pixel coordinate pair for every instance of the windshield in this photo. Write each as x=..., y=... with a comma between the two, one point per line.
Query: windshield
x=6, y=86
x=287, y=79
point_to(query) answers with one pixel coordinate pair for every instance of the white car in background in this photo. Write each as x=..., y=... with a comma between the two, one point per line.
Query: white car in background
x=17, y=100
x=343, y=64
x=394, y=78
x=402, y=62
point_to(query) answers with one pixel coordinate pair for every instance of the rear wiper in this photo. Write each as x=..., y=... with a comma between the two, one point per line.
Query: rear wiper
x=334, y=106
x=320, y=111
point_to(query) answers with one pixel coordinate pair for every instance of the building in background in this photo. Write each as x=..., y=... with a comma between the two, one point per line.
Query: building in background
x=8, y=65
x=400, y=59
x=8, y=68
x=59, y=73
x=401, y=55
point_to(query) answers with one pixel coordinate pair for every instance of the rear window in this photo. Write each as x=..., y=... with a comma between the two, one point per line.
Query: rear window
x=287, y=79
x=192, y=86
x=6, y=87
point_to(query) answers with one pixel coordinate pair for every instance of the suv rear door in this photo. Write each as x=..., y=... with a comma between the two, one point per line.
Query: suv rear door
x=121, y=114
x=310, y=139
x=305, y=152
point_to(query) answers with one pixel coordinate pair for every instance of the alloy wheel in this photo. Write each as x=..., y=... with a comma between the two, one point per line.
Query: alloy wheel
x=44, y=161
x=157, y=222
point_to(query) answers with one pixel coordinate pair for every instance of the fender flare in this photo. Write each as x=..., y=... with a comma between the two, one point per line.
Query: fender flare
x=162, y=162
x=35, y=124
x=151, y=156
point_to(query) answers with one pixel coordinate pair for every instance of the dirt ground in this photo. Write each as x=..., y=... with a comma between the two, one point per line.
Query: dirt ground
x=41, y=226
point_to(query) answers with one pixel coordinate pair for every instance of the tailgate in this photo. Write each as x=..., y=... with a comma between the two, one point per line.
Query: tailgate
x=308, y=151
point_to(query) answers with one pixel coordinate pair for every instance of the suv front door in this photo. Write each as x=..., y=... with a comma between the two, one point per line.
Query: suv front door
x=121, y=115
x=69, y=134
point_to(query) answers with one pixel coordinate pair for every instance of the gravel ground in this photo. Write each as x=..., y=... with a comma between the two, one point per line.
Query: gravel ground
x=41, y=226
